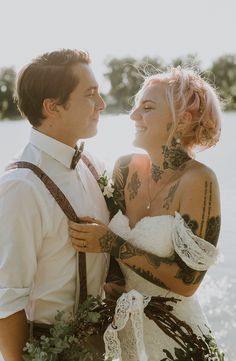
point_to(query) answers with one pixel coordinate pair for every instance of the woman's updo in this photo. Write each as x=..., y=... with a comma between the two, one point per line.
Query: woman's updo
x=187, y=91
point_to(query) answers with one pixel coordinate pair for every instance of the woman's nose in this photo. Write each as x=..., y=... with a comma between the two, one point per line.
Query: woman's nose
x=134, y=115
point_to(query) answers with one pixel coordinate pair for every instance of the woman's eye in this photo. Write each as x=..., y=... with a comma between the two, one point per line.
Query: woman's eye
x=147, y=108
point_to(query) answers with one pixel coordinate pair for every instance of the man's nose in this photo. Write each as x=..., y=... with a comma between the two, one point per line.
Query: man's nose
x=101, y=105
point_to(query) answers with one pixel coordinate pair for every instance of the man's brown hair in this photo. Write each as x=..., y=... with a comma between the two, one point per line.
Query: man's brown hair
x=47, y=76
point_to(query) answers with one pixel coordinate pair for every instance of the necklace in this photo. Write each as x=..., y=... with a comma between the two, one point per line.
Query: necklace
x=150, y=200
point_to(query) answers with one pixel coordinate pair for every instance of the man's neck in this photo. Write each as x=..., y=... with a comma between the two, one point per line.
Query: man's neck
x=57, y=135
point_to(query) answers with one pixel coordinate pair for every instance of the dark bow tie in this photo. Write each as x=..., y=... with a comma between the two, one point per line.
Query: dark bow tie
x=77, y=155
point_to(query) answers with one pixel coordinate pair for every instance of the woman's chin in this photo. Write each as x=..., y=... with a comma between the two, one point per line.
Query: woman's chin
x=137, y=142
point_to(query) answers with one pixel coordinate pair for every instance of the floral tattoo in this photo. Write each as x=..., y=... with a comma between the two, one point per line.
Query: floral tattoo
x=174, y=156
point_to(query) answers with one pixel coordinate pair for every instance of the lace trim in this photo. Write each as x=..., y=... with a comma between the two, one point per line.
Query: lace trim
x=197, y=253
x=129, y=305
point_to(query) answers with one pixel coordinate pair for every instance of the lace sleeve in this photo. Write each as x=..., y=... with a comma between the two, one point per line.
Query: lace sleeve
x=197, y=253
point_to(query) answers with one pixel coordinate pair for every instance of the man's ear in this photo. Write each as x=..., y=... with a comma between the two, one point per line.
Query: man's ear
x=50, y=108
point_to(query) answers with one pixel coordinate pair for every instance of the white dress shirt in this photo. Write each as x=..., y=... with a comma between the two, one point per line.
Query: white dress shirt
x=37, y=261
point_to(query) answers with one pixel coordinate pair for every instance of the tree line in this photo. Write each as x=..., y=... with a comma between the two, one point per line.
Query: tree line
x=125, y=75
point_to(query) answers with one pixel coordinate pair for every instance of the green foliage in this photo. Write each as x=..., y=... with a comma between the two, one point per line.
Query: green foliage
x=190, y=60
x=213, y=348
x=125, y=76
x=190, y=354
x=68, y=337
x=8, y=108
x=223, y=75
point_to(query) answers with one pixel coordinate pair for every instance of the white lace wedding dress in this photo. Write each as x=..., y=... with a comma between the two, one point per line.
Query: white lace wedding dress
x=134, y=336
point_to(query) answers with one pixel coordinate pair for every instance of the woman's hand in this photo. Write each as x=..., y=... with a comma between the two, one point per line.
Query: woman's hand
x=91, y=236
x=113, y=290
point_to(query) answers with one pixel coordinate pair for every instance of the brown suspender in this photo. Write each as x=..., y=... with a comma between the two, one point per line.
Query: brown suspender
x=66, y=207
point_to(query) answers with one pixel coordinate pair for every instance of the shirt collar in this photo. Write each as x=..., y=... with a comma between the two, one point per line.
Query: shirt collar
x=63, y=153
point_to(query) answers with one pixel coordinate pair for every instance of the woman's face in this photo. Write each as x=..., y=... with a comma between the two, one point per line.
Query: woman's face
x=153, y=118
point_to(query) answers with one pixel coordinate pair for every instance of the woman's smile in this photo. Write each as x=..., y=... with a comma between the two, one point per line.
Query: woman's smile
x=140, y=129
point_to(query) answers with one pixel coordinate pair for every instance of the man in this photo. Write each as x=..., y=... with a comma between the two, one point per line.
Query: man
x=59, y=95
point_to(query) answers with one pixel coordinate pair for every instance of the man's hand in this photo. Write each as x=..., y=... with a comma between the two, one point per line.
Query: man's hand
x=91, y=236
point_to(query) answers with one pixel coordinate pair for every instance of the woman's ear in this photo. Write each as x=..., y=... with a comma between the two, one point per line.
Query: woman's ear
x=184, y=122
x=185, y=119
x=50, y=108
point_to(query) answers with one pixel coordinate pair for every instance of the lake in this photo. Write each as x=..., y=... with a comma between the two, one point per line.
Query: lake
x=218, y=291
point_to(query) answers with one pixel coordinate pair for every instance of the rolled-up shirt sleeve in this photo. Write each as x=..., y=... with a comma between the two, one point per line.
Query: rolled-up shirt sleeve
x=21, y=237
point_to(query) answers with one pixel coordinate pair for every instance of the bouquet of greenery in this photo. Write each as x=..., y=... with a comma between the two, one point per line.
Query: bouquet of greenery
x=68, y=338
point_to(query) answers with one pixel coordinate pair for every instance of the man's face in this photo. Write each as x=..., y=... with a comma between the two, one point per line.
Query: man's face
x=79, y=116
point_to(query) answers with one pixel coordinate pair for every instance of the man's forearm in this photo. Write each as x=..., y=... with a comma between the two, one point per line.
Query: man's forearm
x=13, y=336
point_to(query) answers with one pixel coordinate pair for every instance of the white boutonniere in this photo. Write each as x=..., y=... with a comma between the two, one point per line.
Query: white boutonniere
x=106, y=185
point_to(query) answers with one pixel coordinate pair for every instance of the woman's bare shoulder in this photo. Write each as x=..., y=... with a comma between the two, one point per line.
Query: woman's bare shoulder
x=198, y=171
x=136, y=159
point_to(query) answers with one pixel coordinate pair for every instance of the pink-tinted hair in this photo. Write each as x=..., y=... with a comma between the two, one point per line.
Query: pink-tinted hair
x=187, y=91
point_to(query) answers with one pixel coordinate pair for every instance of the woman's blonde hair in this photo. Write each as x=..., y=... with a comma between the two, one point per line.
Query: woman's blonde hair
x=187, y=91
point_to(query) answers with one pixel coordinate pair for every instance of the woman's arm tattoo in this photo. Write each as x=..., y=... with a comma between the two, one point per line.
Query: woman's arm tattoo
x=191, y=223
x=120, y=176
x=106, y=241
x=212, y=223
x=123, y=250
x=204, y=207
x=169, y=198
x=213, y=230
x=186, y=274
x=133, y=185
x=148, y=276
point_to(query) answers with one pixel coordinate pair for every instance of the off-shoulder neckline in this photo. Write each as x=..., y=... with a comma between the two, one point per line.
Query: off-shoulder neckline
x=148, y=217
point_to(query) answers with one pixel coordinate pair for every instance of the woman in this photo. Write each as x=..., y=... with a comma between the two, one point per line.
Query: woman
x=166, y=231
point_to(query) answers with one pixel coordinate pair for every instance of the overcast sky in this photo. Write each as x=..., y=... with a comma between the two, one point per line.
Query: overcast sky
x=107, y=28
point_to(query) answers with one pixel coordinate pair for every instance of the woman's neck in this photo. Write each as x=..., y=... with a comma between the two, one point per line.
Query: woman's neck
x=167, y=158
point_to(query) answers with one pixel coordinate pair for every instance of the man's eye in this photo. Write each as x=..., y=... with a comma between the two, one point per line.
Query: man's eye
x=147, y=108
x=91, y=93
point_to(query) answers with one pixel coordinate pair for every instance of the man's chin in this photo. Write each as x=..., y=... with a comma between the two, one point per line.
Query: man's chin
x=90, y=134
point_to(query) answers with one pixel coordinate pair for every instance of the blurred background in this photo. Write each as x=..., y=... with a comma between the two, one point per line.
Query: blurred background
x=125, y=39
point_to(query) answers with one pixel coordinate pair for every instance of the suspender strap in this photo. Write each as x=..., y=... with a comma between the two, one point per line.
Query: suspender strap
x=55, y=191
x=90, y=166
x=68, y=210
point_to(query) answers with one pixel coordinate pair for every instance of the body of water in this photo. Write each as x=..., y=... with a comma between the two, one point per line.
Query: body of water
x=218, y=291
